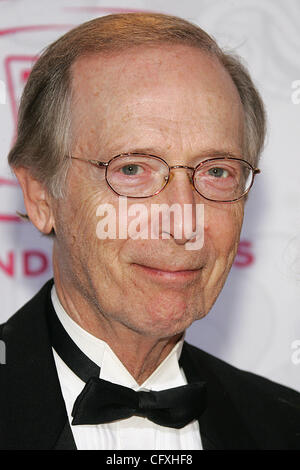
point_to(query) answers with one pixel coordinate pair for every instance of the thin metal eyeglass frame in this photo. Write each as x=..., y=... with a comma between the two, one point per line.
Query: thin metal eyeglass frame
x=105, y=166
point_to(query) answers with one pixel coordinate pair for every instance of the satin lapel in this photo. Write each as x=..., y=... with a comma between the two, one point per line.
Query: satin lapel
x=66, y=439
x=34, y=407
x=220, y=425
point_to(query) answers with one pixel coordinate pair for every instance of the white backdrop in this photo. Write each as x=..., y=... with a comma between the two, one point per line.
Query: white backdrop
x=255, y=323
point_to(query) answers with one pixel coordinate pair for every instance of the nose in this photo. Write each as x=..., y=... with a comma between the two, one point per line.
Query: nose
x=181, y=197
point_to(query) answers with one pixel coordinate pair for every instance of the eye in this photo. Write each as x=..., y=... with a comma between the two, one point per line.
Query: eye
x=131, y=169
x=218, y=172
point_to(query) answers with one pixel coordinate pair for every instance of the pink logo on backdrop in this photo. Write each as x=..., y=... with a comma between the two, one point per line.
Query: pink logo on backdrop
x=18, y=66
x=245, y=255
x=33, y=263
x=17, y=69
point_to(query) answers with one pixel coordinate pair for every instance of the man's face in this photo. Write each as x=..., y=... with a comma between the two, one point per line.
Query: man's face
x=177, y=103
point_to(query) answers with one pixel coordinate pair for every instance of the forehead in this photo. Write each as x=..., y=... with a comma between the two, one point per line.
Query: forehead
x=152, y=90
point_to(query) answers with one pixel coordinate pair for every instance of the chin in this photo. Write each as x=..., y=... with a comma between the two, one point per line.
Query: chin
x=163, y=324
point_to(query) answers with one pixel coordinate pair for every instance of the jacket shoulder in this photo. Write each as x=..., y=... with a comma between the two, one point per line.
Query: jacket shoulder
x=271, y=411
x=33, y=308
x=227, y=371
x=30, y=394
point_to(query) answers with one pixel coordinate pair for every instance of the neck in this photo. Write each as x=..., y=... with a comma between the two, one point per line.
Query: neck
x=139, y=353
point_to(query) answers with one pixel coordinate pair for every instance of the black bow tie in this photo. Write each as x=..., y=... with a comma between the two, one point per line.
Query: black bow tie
x=102, y=402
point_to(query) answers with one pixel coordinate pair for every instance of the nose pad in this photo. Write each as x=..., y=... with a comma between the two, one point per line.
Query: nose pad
x=191, y=179
x=171, y=176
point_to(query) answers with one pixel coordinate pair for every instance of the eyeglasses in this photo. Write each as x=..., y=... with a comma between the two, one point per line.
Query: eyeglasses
x=137, y=175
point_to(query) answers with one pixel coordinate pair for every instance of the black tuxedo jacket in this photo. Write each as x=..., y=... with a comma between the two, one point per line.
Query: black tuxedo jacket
x=244, y=411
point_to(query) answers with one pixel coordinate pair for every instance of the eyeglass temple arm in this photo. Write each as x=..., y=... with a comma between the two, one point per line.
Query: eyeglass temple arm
x=94, y=162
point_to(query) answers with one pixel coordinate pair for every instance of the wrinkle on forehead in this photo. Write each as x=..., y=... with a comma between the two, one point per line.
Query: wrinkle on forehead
x=176, y=93
x=143, y=64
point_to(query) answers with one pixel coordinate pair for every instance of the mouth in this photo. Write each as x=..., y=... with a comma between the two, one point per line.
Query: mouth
x=177, y=276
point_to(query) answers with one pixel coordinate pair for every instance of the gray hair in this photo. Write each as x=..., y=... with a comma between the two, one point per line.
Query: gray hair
x=44, y=134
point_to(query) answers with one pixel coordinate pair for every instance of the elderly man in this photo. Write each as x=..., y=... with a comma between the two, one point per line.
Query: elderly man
x=143, y=109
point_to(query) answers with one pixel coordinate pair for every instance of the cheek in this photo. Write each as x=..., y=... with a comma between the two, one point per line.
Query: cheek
x=78, y=212
x=223, y=225
x=76, y=222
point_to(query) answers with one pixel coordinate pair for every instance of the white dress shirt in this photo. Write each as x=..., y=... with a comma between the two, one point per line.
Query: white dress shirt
x=126, y=434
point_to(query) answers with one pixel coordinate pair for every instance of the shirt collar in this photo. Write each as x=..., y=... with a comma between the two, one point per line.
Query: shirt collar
x=167, y=374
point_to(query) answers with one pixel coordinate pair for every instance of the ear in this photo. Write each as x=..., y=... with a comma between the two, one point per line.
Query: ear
x=37, y=201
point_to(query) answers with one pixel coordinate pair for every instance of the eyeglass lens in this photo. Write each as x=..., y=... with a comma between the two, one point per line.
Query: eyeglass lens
x=141, y=175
